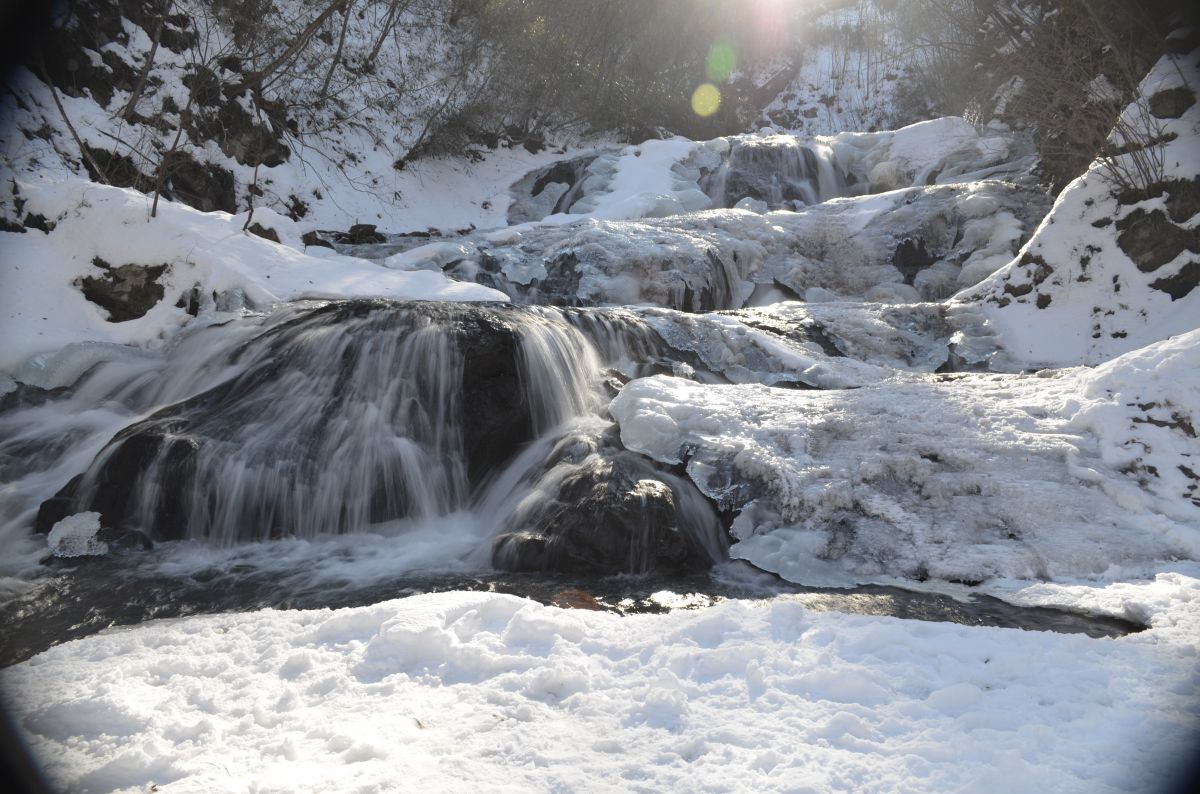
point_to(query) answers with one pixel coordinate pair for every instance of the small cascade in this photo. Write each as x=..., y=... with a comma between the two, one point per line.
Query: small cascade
x=550, y=190
x=366, y=414
x=558, y=370
x=623, y=340
x=780, y=171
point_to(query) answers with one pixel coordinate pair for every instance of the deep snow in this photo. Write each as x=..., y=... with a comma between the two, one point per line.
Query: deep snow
x=463, y=690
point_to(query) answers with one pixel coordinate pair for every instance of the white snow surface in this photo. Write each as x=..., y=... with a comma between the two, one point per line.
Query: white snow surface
x=475, y=690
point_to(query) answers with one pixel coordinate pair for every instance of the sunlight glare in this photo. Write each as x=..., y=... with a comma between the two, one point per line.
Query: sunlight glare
x=705, y=100
x=720, y=63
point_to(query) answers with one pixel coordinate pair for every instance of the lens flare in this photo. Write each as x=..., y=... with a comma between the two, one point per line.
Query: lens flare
x=705, y=100
x=721, y=62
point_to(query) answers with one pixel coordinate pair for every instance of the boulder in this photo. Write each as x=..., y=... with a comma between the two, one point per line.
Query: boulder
x=125, y=291
x=612, y=512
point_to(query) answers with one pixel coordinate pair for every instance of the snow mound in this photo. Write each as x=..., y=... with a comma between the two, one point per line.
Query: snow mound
x=460, y=690
x=202, y=258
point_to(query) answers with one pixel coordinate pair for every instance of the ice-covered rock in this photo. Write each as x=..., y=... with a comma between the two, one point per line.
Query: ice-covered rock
x=76, y=536
x=661, y=178
x=922, y=243
x=962, y=477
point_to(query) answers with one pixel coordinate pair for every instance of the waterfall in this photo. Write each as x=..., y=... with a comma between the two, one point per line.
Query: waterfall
x=334, y=419
x=780, y=170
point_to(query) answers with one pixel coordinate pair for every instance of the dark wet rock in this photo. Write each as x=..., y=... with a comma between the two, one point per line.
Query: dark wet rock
x=217, y=115
x=110, y=168
x=38, y=221
x=126, y=291
x=190, y=301
x=313, y=238
x=561, y=284
x=263, y=232
x=25, y=396
x=114, y=488
x=911, y=258
x=1183, y=199
x=612, y=512
x=359, y=234
x=296, y=207
x=1182, y=283
x=205, y=186
x=1171, y=103
x=496, y=420
x=1041, y=268
x=1151, y=240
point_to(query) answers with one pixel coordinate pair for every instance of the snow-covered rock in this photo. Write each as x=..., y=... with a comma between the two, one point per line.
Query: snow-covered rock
x=918, y=243
x=209, y=262
x=1113, y=267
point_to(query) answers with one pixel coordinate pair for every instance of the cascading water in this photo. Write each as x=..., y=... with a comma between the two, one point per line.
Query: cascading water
x=779, y=170
x=339, y=418
x=553, y=189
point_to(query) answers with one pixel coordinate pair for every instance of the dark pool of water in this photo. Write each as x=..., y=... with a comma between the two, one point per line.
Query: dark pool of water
x=79, y=600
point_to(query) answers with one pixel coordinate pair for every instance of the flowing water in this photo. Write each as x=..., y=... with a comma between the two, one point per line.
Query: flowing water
x=780, y=171
x=80, y=599
x=339, y=453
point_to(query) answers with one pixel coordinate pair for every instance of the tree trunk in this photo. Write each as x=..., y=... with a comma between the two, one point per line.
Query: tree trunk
x=388, y=22
x=337, y=56
x=160, y=177
x=255, y=80
x=136, y=94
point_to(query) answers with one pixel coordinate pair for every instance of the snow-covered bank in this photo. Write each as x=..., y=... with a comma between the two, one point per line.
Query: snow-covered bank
x=329, y=164
x=463, y=690
x=206, y=254
x=1114, y=266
